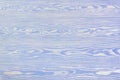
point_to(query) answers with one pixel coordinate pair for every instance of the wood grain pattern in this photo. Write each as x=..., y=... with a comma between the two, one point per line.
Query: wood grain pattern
x=59, y=40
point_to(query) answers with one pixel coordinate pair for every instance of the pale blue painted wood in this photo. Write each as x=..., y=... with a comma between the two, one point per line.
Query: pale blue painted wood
x=59, y=40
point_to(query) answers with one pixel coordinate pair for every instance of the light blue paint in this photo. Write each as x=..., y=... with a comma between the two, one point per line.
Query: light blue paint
x=59, y=40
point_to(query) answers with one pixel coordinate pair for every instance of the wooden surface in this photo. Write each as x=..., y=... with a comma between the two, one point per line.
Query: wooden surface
x=59, y=39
